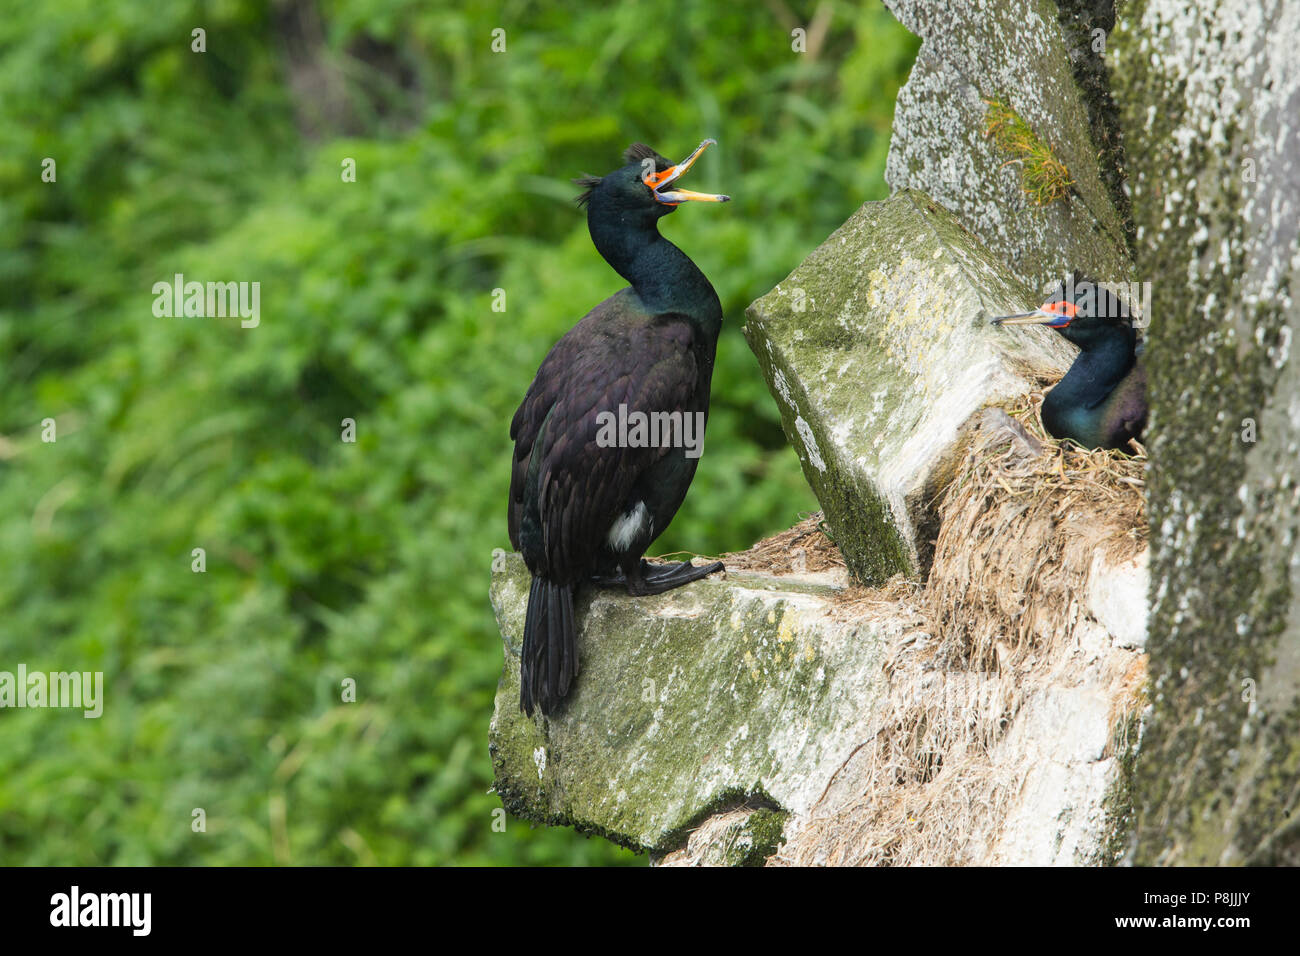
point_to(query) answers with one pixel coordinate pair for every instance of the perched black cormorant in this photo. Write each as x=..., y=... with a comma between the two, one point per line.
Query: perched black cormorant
x=583, y=505
x=1102, y=400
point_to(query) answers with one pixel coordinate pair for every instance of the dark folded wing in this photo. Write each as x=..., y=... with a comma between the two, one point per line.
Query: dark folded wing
x=565, y=489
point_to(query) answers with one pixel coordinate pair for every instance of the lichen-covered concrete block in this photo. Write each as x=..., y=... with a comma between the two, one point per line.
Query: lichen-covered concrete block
x=877, y=349
x=757, y=718
x=1047, y=67
x=743, y=688
x=1210, y=99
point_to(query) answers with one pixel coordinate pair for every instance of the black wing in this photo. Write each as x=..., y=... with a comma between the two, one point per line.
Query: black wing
x=566, y=490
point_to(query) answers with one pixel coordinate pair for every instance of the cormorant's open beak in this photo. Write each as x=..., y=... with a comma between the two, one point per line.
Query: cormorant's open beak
x=658, y=181
x=1056, y=315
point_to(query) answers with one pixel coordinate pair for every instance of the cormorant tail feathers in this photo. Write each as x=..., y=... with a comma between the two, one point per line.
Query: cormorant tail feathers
x=549, y=661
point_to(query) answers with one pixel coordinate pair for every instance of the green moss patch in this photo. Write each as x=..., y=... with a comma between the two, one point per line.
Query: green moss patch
x=1044, y=176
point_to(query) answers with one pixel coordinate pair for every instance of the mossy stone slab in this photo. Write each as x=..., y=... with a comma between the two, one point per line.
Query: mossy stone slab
x=877, y=349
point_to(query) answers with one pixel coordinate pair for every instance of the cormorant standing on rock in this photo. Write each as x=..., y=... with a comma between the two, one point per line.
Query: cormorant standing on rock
x=585, y=505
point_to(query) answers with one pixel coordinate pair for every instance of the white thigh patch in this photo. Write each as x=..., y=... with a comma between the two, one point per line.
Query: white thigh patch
x=628, y=527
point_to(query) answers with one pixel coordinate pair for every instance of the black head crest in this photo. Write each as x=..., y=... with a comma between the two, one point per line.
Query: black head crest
x=1101, y=302
x=639, y=152
x=588, y=183
x=636, y=153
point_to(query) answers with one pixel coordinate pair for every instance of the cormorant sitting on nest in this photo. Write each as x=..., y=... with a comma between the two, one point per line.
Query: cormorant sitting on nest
x=1102, y=401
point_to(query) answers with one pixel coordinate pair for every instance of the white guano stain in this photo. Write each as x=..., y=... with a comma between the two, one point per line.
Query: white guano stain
x=809, y=443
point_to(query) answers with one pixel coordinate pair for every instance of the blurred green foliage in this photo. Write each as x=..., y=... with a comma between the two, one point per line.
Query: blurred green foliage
x=328, y=560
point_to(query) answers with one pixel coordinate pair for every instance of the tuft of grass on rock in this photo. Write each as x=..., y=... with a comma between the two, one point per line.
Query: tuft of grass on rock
x=1045, y=177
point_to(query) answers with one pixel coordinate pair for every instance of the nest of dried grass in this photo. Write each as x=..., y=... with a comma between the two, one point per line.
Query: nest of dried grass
x=1020, y=525
x=1018, y=534
x=805, y=548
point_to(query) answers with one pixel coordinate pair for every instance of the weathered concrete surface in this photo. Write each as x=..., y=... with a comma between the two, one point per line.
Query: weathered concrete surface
x=713, y=724
x=1042, y=62
x=1210, y=99
x=729, y=689
x=1074, y=755
x=877, y=348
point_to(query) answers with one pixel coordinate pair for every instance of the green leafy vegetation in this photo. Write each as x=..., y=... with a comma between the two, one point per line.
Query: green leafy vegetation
x=328, y=560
